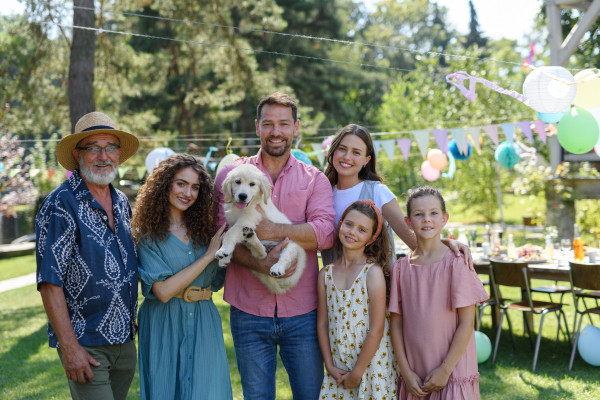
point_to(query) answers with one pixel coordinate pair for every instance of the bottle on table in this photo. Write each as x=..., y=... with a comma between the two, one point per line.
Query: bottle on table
x=549, y=247
x=462, y=237
x=511, y=250
x=578, y=245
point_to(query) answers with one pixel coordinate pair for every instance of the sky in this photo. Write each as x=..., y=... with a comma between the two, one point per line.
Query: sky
x=511, y=19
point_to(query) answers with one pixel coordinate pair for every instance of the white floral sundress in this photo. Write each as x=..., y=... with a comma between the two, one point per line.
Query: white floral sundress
x=348, y=312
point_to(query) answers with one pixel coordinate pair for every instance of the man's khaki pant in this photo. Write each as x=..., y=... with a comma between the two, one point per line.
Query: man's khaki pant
x=112, y=378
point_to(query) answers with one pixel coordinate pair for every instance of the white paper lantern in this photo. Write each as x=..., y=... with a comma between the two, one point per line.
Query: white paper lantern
x=156, y=156
x=547, y=95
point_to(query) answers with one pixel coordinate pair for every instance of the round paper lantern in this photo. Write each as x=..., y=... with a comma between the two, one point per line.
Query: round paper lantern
x=588, y=93
x=228, y=159
x=508, y=154
x=301, y=156
x=548, y=95
x=578, y=131
x=156, y=156
x=551, y=118
x=588, y=347
x=437, y=159
x=484, y=347
x=453, y=149
x=429, y=173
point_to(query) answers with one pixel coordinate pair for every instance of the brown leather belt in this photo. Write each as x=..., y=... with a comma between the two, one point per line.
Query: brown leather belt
x=194, y=293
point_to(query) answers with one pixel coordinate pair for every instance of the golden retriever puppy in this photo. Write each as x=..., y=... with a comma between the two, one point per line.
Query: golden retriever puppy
x=244, y=188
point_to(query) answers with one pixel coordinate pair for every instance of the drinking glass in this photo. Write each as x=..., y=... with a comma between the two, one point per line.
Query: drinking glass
x=565, y=245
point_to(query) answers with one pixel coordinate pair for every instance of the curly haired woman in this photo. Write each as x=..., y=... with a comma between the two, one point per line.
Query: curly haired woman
x=181, y=348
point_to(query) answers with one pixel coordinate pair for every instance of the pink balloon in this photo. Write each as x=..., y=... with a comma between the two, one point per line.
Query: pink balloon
x=429, y=173
x=437, y=159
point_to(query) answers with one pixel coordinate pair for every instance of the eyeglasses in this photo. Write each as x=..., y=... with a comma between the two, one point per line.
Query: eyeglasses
x=95, y=150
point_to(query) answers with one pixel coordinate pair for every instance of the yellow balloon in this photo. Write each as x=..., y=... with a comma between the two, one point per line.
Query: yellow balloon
x=588, y=93
x=228, y=159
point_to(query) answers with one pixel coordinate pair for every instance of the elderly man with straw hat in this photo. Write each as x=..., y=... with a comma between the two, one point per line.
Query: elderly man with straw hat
x=87, y=262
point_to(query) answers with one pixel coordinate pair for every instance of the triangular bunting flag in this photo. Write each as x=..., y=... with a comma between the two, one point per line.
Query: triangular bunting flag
x=459, y=135
x=526, y=128
x=540, y=127
x=212, y=165
x=492, y=132
x=51, y=173
x=376, y=146
x=422, y=139
x=123, y=171
x=13, y=171
x=33, y=173
x=389, y=148
x=404, y=145
x=475, y=133
x=318, y=149
x=141, y=171
x=509, y=131
x=441, y=137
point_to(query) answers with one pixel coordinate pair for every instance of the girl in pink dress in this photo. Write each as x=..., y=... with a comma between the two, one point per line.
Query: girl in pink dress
x=432, y=307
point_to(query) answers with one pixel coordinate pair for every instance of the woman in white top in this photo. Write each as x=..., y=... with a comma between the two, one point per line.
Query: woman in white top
x=352, y=171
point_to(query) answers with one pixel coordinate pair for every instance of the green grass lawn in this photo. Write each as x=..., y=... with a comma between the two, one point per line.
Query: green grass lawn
x=514, y=207
x=16, y=266
x=29, y=369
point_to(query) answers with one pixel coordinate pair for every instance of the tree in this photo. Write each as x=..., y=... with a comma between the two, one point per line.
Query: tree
x=81, y=67
x=474, y=36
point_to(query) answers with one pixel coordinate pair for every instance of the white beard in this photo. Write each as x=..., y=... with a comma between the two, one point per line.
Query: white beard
x=98, y=179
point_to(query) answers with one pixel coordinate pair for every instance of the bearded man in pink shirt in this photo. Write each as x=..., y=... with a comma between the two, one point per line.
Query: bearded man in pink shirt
x=260, y=320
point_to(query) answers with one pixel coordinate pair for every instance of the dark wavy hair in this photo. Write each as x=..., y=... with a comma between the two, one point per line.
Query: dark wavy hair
x=378, y=252
x=369, y=172
x=151, y=216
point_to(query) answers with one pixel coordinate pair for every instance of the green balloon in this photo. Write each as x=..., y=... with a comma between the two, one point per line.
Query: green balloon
x=578, y=131
x=484, y=347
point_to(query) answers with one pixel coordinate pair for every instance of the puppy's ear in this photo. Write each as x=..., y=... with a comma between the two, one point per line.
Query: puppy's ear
x=227, y=190
x=265, y=188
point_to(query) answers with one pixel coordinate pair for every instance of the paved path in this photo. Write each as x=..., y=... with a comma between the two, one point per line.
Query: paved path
x=16, y=283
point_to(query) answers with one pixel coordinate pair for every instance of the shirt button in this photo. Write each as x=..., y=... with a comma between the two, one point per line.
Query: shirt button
x=104, y=218
x=191, y=314
x=275, y=195
x=190, y=252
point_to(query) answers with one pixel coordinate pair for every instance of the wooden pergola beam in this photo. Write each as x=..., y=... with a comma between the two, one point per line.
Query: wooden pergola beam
x=561, y=51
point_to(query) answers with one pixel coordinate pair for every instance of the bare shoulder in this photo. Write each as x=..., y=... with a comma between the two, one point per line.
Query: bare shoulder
x=375, y=274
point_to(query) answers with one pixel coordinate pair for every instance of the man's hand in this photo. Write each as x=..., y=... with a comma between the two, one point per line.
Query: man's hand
x=264, y=230
x=457, y=247
x=77, y=363
x=273, y=257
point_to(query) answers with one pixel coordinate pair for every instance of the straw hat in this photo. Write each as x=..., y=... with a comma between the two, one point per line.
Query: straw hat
x=90, y=124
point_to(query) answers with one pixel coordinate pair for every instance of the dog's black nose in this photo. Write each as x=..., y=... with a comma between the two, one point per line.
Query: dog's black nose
x=242, y=196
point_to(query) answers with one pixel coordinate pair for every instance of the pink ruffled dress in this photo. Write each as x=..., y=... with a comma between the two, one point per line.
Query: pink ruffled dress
x=427, y=297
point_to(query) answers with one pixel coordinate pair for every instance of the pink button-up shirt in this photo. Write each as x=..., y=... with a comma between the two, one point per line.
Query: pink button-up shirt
x=303, y=194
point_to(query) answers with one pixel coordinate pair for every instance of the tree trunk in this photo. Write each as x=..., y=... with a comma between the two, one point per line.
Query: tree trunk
x=81, y=68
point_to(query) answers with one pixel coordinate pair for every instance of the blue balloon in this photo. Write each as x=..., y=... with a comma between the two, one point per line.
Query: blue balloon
x=301, y=156
x=453, y=149
x=588, y=345
x=550, y=117
x=508, y=154
x=484, y=347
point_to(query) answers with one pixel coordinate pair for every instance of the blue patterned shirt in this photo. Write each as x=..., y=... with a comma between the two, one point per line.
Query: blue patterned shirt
x=96, y=267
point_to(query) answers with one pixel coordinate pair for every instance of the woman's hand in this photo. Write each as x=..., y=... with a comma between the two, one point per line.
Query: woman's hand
x=414, y=384
x=457, y=247
x=350, y=380
x=436, y=380
x=215, y=243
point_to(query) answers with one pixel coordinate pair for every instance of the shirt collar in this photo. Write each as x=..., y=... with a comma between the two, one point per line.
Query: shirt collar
x=81, y=191
x=290, y=162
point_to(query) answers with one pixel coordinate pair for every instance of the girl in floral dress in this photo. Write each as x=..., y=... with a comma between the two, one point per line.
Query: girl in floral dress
x=432, y=308
x=353, y=327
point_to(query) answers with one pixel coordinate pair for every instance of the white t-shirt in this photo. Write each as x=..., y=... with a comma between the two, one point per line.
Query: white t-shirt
x=343, y=198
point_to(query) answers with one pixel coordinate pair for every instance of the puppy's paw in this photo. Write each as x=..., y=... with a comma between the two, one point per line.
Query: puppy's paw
x=247, y=233
x=277, y=270
x=224, y=262
x=222, y=253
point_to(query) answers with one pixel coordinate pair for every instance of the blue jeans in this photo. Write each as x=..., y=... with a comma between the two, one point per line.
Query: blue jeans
x=256, y=339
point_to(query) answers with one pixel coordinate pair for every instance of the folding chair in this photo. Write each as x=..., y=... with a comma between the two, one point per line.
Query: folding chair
x=585, y=277
x=517, y=275
x=489, y=302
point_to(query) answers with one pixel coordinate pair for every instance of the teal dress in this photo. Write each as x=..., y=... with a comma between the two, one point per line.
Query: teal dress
x=181, y=347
